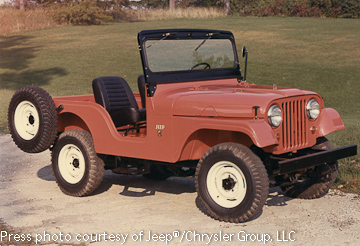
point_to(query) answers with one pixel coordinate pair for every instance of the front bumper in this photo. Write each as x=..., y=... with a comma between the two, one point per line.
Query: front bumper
x=315, y=159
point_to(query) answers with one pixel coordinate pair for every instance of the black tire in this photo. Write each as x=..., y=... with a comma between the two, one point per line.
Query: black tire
x=158, y=172
x=315, y=182
x=32, y=119
x=231, y=182
x=77, y=168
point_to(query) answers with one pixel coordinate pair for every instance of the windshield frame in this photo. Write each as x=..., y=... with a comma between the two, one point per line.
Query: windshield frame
x=154, y=78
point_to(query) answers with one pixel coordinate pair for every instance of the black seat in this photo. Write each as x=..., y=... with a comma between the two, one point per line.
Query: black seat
x=115, y=95
x=142, y=89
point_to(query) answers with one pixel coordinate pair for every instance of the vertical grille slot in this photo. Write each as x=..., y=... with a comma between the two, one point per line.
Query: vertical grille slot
x=294, y=124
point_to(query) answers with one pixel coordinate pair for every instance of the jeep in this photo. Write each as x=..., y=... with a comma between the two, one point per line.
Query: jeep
x=194, y=115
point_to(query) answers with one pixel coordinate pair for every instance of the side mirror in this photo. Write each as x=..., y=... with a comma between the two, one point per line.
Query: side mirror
x=243, y=51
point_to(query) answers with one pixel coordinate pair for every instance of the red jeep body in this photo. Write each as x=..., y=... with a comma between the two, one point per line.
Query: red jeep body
x=184, y=120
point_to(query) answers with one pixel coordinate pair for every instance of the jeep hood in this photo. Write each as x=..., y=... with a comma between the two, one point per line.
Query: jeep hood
x=228, y=101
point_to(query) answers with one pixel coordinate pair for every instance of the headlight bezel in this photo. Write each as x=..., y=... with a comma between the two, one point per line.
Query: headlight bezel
x=313, y=109
x=274, y=116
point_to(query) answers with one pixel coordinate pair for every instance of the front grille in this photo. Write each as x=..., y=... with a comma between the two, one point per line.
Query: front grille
x=294, y=124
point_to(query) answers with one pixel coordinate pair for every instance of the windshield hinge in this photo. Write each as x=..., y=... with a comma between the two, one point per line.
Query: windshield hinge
x=151, y=90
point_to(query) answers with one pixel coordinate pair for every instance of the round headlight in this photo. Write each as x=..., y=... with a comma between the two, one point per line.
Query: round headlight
x=313, y=109
x=274, y=116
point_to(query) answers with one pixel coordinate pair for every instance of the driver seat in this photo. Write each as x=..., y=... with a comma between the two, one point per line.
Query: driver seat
x=115, y=95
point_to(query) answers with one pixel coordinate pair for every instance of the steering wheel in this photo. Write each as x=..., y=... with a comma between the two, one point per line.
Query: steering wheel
x=207, y=65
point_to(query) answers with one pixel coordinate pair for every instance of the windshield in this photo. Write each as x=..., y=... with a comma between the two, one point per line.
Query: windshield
x=189, y=54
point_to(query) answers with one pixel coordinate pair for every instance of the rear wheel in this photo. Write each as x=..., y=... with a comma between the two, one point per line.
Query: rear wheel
x=231, y=182
x=314, y=182
x=76, y=167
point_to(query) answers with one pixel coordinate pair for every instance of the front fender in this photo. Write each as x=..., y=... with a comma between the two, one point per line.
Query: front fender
x=330, y=121
x=206, y=133
x=258, y=130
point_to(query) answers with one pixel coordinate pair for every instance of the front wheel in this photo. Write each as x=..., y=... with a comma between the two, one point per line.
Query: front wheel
x=77, y=169
x=231, y=182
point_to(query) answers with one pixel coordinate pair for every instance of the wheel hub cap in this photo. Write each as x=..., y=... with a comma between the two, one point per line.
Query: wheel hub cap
x=31, y=119
x=76, y=163
x=229, y=183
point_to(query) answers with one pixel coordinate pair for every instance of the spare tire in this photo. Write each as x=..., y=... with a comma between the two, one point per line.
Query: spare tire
x=32, y=119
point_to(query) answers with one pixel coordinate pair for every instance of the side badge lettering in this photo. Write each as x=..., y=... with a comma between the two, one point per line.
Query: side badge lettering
x=160, y=127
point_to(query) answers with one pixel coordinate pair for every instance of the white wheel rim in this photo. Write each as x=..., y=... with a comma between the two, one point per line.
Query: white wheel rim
x=26, y=119
x=226, y=184
x=71, y=163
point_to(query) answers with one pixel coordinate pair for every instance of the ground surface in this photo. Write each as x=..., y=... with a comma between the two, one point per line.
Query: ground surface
x=128, y=206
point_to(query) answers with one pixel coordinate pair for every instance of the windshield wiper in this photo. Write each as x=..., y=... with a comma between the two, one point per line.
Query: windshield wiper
x=203, y=42
x=165, y=36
